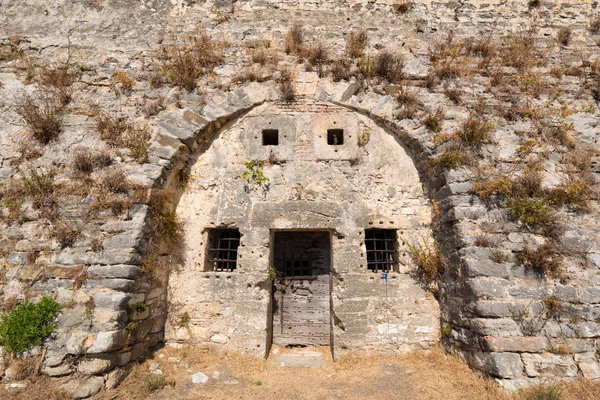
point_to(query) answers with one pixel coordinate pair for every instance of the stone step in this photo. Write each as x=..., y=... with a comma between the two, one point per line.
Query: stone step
x=302, y=359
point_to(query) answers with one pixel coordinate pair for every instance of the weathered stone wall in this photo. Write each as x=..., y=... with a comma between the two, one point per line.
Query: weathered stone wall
x=491, y=312
x=313, y=186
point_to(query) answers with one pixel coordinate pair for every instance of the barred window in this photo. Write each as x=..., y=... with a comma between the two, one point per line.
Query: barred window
x=382, y=249
x=222, y=249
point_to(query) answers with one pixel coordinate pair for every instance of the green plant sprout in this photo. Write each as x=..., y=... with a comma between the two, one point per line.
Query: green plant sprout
x=254, y=173
x=363, y=138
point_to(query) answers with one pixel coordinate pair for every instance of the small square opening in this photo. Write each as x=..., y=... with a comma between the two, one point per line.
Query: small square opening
x=335, y=137
x=270, y=137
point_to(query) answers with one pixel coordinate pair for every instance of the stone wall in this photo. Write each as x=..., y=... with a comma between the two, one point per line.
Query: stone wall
x=493, y=311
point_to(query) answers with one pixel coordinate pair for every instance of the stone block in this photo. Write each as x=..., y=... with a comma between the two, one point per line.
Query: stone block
x=62, y=272
x=219, y=338
x=126, y=256
x=123, y=285
x=565, y=293
x=97, y=365
x=115, y=271
x=114, y=378
x=107, y=319
x=77, y=341
x=123, y=358
x=500, y=327
x=520, y=291
x=574, y=345
x=590, y=369
x=489, y=308
x=107, y=341
x=465, y=336
x=475, y=268
x=138, y=350
x=196, y=120
x=82, y=388
x=16, y=258
x=165, y=152
x=122, y=241
x=487, y=287
x=55, y=371
x=550, y=365
x=587, y=329
x=504, y=365
x=187, y=135
x=590, y=295
x=111, y=299
x=514, y=344
x=199, y=378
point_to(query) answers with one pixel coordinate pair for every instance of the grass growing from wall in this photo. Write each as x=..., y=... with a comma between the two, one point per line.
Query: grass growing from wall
x=428, y=258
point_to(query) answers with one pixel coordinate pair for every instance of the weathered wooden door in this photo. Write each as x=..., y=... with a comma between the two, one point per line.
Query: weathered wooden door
x=301, y=296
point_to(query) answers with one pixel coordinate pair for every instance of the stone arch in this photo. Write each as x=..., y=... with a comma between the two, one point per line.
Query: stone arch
x=341, y=189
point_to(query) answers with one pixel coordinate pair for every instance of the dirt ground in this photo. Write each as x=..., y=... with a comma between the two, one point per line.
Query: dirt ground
x=432, y=375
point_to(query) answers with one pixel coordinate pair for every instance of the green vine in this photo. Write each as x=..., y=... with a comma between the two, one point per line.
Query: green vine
x=254, y=173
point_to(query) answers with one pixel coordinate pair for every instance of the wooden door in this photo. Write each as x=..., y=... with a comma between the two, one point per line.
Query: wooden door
x=301, y=296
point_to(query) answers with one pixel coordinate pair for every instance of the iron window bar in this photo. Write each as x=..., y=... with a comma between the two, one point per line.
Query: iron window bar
x=382, y=250
x=224, y=252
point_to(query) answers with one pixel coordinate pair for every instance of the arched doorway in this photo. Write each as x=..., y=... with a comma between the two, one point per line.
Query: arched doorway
x=309, y=193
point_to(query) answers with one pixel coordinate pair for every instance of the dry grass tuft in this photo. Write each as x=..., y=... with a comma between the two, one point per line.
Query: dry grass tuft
x=264, y=55
x=189, y=57
x=9, y=50
x=546, y=260
x=167, y=224
x=564, y=36
x=520, y=51
x=66, y=233
x=474, y=132
x=25, y=367
x=389, y=66
x=118, y=133
x=403, y=6
x=124, y=79
x=111, y=129
x=595, y=25
x=294, y=38
x=576, y=191
x=433, y=120
x=317, y=54
x=58, y=81
x=12, y=196
x=43, y=388
x=428, y=258
x=453, y=157
x=137, y=140
x=41, y=112
x=86, y=160
x=41, y=188
x=356, y=44
x=407, y=97
x=342, y=69
x=454, y=94
x=251, y=74
x=286, y=85
x=115, y=182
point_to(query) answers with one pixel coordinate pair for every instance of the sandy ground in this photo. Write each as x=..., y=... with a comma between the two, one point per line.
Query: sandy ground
x=432, y=375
